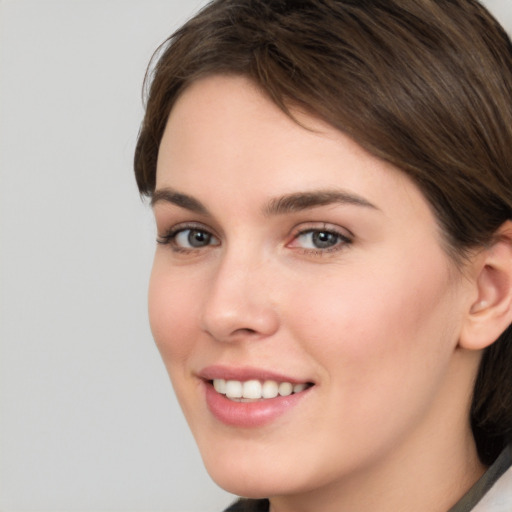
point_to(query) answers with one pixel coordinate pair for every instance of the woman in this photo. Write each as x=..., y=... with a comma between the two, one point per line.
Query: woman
x=332, y=284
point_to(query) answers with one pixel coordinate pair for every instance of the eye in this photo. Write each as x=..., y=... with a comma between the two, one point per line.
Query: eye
x=188, y=238
x=320, y=240
x=193, y=238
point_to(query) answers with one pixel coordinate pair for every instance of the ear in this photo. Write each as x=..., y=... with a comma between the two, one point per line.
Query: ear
x=491, y=312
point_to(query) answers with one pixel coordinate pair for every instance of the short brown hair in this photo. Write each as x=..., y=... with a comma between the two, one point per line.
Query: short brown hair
x=423, y=84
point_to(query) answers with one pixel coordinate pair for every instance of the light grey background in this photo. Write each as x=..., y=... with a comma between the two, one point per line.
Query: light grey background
x=88, y=421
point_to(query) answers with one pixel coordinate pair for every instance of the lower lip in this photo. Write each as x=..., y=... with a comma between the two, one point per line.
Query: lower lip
x=249, y=414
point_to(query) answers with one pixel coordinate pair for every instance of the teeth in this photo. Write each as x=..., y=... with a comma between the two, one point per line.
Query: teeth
x=251, y=389
x=285, y=389
x=220, y=386
x=234, y=389
x=270, y=389
x=299, y=387
x=255, y=389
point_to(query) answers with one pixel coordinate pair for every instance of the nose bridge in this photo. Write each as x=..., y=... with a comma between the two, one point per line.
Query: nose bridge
x=239, y=303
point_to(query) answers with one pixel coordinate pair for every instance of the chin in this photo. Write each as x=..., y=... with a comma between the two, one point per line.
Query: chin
x=246, y=477
x=254, y=477
x=253, y=487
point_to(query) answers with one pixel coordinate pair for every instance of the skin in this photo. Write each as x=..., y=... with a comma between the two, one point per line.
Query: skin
x=373, y=321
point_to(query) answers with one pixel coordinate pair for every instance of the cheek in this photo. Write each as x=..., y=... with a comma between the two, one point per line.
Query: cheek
x=171, y=309
x=383, y=322
x=383, y=342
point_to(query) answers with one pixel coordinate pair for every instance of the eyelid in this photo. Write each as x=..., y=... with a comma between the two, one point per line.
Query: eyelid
x=169, y=235
x=345, y=235
x=305, y=227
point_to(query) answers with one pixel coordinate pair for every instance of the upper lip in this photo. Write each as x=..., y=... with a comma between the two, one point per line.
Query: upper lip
x=245, y=373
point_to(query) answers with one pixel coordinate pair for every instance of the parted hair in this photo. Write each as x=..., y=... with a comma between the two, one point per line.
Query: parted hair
x=423, y=84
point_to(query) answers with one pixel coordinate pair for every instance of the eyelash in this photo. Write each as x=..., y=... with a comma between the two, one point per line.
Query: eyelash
x=342, y=240
x=169, y=238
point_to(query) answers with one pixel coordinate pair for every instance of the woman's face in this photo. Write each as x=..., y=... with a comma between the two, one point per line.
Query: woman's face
x=290, y=258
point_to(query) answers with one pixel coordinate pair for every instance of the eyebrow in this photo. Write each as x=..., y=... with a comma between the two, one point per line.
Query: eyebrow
x=306, y=200
x=169, y=195
x=288, y=203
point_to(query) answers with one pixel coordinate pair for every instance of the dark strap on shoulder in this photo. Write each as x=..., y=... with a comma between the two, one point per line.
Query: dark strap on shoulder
x=482, y=486
x=244, y=505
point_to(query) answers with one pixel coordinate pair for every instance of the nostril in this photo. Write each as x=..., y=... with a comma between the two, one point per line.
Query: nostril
x=245, y=330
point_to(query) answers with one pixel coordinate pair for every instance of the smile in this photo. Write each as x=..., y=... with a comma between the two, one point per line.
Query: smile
x=248, y=397
x=251, y=390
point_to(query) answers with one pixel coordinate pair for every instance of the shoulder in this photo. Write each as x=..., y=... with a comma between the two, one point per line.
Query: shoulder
x=499, y=496
x=493, y=492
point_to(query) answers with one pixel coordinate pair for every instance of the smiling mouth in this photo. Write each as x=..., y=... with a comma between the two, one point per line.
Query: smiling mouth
x=256, y=390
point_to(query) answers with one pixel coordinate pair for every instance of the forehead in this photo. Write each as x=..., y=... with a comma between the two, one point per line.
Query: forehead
x=229, y=119
x=225, y=137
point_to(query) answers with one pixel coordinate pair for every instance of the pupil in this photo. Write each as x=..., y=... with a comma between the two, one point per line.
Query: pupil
x=198, y=238
x=323, y=239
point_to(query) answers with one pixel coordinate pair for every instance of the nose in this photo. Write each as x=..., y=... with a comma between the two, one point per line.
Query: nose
x=239, y=302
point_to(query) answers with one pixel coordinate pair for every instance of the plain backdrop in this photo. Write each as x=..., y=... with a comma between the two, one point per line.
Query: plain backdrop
x=88, y=420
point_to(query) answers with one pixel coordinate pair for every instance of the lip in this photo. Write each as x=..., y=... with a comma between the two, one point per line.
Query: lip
x=248, y=414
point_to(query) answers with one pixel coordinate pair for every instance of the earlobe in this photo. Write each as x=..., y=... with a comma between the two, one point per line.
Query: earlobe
x=491, y=312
